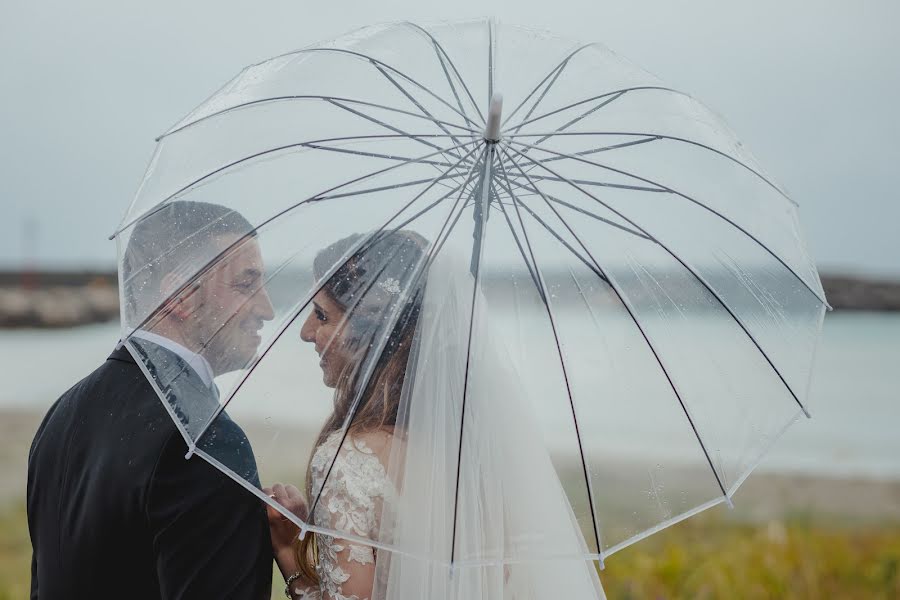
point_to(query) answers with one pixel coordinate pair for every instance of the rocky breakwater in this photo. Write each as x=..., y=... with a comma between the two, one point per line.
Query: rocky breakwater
x=66, y=299
x=59, y=299
x=857, y=293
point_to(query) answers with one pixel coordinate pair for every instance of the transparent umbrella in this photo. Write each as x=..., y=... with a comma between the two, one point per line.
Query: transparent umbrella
x=560, y=291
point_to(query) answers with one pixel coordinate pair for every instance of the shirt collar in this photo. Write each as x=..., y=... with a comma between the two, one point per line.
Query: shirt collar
x=197, y=362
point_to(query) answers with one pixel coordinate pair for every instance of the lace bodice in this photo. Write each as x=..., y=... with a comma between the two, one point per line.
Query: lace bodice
x=351, y=502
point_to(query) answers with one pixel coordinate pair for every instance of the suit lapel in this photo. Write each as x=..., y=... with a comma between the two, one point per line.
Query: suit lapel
x=190, y=399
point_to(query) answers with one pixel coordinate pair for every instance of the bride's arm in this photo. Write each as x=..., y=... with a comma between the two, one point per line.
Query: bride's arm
x=349, y=573
x=347, y=567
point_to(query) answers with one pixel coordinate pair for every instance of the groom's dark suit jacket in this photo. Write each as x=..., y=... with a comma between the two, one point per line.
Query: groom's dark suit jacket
x=115, y=510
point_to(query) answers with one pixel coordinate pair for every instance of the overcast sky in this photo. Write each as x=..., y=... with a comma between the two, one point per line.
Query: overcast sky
x=811, y=87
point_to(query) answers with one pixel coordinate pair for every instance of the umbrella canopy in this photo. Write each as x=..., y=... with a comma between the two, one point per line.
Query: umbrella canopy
x=531, y=265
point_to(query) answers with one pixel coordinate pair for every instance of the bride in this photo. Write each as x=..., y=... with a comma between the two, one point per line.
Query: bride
x=429, y=478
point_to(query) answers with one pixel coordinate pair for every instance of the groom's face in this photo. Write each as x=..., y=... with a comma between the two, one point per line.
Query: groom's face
x=230, y=307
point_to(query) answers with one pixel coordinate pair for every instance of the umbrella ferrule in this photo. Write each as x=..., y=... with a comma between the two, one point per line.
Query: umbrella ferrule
x=492, y=129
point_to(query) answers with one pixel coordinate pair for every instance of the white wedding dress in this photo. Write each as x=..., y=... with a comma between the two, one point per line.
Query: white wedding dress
x=491, y=505
x=357, y=489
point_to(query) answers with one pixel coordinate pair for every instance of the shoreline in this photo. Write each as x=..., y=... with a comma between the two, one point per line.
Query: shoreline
x=766, y=495
x=60, y=299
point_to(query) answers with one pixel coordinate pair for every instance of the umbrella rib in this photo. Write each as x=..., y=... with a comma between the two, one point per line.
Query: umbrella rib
x=237, y=311
x=549, y=229
x=600, y=149
x=531, y=168
x=677, y=193
x=573, y=121
x=582, y=211
x=619, y=186
x=601, y=96
x=545, y=297
x=463, y=192
x=438, y=179
x=306, y=97
x=537, y=102
x=415, y=102
x=392, y=128
x=375, y=155
x=662, y=137
x=365, y=381
x=437, y=52
x=456, y=71
x=621, y=296
x=214, y=260
x=436, y=164
x=361, y=296
x=579, y=117
x=557, y=70
x=590, y=111
x=521, y=250
x=296, y=313
x=384, y=188
x=375, y=61
x=702, y=281
x=159, y=206
x=489, y=157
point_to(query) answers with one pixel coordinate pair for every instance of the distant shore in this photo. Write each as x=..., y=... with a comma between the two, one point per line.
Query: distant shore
x=58, y=299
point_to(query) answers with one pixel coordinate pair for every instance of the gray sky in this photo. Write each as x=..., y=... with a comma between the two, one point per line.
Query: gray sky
x=812, y=88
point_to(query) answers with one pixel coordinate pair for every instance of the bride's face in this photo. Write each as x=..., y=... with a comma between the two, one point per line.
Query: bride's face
x=324, y=328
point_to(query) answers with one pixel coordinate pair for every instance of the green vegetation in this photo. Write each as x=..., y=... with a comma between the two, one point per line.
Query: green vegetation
x=710, y=557
x=707, y=557
x=15, y=553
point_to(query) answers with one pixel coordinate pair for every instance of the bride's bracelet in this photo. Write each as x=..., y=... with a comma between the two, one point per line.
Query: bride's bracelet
x=287, y=584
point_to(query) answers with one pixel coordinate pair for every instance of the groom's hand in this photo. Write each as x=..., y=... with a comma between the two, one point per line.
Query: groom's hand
x=283, y=531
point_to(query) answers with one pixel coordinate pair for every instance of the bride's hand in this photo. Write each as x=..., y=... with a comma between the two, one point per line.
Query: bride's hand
x=282, y=529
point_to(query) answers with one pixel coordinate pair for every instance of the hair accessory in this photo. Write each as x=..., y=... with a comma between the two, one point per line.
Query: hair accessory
x=390, y=285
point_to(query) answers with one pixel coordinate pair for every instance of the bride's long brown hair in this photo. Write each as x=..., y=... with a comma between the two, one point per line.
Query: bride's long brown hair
x=368, y=288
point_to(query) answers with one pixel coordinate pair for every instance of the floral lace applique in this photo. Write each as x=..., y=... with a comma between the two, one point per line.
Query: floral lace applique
x=357, y=481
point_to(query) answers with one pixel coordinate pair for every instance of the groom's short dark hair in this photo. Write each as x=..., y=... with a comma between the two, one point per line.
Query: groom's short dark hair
x=177, y=235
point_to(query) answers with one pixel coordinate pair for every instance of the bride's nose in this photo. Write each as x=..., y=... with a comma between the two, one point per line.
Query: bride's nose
x=308, y=330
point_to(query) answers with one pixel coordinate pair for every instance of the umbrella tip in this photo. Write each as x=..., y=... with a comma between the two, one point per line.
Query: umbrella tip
x=492, y=129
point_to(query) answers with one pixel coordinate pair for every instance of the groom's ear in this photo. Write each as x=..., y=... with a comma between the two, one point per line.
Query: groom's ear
x=186, y=302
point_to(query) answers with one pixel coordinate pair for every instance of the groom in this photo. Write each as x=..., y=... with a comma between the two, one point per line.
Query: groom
x=115, y=510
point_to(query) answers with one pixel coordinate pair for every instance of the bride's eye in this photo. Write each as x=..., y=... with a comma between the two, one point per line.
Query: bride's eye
x=320, y=315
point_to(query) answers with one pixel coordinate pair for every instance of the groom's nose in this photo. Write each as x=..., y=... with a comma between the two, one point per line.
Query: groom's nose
x=263, y=306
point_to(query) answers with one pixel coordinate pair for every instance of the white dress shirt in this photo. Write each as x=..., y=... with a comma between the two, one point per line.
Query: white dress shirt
x=198, y=363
